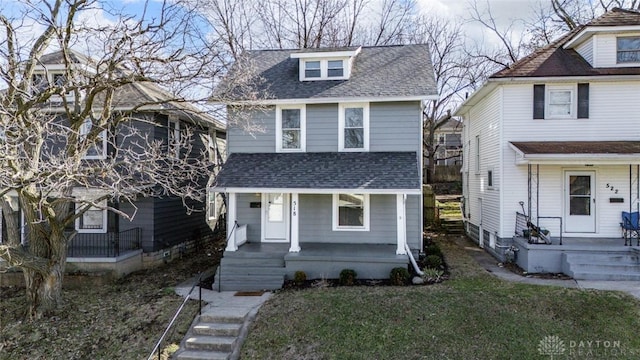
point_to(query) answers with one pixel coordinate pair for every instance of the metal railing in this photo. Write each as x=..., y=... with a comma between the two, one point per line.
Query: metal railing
x=110, y=244
x=157, y=349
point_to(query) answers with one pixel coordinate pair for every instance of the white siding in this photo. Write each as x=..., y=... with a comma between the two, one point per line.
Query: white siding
x=586, y=50
x=484, y=120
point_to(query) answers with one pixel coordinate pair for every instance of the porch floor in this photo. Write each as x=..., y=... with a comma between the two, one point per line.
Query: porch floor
x=580, y=243
x=329, y=250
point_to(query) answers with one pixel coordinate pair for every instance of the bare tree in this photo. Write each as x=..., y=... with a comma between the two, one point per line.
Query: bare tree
x=48, y=128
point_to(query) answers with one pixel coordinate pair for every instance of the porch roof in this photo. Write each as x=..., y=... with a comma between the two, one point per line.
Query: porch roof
x=577, y=152
x=326, y=172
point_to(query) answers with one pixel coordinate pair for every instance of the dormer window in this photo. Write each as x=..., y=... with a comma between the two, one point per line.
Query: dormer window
x=325, y=65
x=628, y=49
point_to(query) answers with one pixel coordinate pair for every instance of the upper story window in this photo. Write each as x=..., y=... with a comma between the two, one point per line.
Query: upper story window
x=40, y=81
x=312, y=69
x=561, y=101
x=325, y=65
x=290, y=128
x=98, y=150
x=353, y=122
x=628, y=49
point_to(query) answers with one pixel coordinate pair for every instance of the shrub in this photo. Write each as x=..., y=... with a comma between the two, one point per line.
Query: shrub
x=432, y=275
x=433, y=249
x=299, y=277
x=348, y=277
x=433, y=261
x=399, y=276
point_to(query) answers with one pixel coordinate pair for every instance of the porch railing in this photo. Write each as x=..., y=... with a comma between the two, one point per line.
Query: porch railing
x=111, y=244
x=522, y=229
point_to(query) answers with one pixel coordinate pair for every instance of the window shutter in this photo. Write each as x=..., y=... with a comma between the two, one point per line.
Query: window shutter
x=583, y=101
x=538, y=101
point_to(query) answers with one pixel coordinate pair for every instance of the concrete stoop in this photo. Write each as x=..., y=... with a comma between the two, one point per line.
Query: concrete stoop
x=217, y=334
x=624, y=266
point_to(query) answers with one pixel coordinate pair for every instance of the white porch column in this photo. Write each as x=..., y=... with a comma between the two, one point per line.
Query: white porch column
x=401, y=222
x=231, y=221
x=295, y=229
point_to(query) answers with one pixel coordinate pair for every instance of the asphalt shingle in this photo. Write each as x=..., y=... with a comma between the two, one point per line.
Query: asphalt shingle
x=327, y=170
x=578, y=147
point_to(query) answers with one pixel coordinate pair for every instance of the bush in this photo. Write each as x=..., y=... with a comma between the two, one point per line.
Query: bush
x=299, y=277
x=432, y=275
x=399, y=276
x=433, y=249
x=348, y=277
x=433, y=262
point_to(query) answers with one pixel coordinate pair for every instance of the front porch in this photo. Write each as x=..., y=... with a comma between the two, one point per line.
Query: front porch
x=580, y=257
x=266, y=266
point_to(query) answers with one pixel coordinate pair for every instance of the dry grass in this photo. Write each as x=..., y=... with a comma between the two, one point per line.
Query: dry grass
x=472, y=316
x=122, y=320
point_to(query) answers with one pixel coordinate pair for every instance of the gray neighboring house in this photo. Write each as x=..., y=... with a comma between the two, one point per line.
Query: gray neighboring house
x=334, y=180
x=161, y=228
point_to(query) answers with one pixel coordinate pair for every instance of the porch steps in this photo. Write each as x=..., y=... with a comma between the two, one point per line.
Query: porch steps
x=622, y=266
x=214, y=336
x=250, y=271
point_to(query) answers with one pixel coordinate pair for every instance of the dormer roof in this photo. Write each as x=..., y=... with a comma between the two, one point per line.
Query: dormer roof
x=616, y=20
x=385, y=73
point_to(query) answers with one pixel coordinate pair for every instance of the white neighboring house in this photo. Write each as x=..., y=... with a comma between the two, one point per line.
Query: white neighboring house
x=558, y=131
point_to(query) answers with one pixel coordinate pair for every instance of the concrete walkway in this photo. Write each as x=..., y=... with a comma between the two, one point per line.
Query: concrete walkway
x=491, y=265
x=220, y=331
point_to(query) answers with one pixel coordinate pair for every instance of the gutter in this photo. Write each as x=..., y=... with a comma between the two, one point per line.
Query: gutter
x=413, y=260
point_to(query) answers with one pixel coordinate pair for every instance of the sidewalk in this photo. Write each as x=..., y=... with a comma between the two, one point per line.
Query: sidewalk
x=490, y=264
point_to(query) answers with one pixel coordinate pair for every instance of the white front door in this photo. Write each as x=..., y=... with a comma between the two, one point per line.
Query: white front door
x=275, y=216
x=580, y=202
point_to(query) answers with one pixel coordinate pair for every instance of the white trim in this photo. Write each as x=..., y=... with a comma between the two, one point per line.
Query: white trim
x=330, y=100
x=254, y=190
x=575, y=159
x=572, y=89
x=285, y=217
x=325, y=54
x=590, y=31
x=365, y=126
x=295, y=227
x=102, y=230
x=303, y=127
x=85, y=128
x=231, y=220
x=324, y=69
x=365, y=208
x=401, y=224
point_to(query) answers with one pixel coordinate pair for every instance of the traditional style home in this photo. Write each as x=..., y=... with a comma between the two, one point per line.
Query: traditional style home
x=333, y=181
x=552, y=154
x=161, y=227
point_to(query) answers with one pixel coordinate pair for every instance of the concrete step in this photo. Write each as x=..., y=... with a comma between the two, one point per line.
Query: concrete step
x=253, y=270
x=211, y=343
x=254, y=255
x=608, y=276
x=605, y=268
x=608, y=258
x=247, y=286
x=217, y=329
x=203, y=355
x=254, y=262
x=228, y=315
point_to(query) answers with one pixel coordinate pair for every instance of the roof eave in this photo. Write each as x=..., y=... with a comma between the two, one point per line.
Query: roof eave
x=416, y=191
x=592, y=30
x=327, y=100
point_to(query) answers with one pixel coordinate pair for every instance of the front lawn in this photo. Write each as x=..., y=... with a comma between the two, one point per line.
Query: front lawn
x=472, y=316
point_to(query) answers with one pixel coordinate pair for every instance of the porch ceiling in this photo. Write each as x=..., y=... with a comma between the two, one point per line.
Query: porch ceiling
x=577, y=152
x=366, y=172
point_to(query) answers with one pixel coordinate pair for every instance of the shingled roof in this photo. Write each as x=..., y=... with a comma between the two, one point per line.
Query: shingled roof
x=578, y=147
x=377, y=72
x=327, y=170
x=554, y=60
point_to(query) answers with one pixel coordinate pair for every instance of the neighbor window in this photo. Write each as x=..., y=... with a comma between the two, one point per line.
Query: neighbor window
x=290, y=128
x=628, y=49
x=490, y=178
x=174, y=136
x=335, y=68
x=93, y=220
x=212, y=209
x=351, y=212
x=98, y=150
x=353, y=121
x=312, y=69
x=38, y=83
x=560, y=102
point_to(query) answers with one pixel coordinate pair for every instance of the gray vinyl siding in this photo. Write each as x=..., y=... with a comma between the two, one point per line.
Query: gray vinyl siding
x=395, y=126
x=414, y=221
x=322, y=128
x=239, y=140
x=173, y=225
x=252, y=217
x=143, y=219
x=316, y=221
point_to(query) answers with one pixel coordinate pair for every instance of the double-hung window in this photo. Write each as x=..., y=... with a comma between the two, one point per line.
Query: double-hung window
x=335, y=68
x=290, y=128
x=560, y=102
x=628, y=49
x=353, y=122
x=351, y=212
x=312, y=69
x=93, y=220
x=97, y=150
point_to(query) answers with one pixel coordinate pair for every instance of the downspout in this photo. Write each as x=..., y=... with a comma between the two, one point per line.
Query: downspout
x=413, y=260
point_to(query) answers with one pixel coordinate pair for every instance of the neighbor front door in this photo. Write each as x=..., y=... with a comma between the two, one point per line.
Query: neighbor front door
x=275, y=217
x=580, y=202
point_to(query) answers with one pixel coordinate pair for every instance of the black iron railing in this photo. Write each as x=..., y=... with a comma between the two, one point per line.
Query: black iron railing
x=111, y=244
